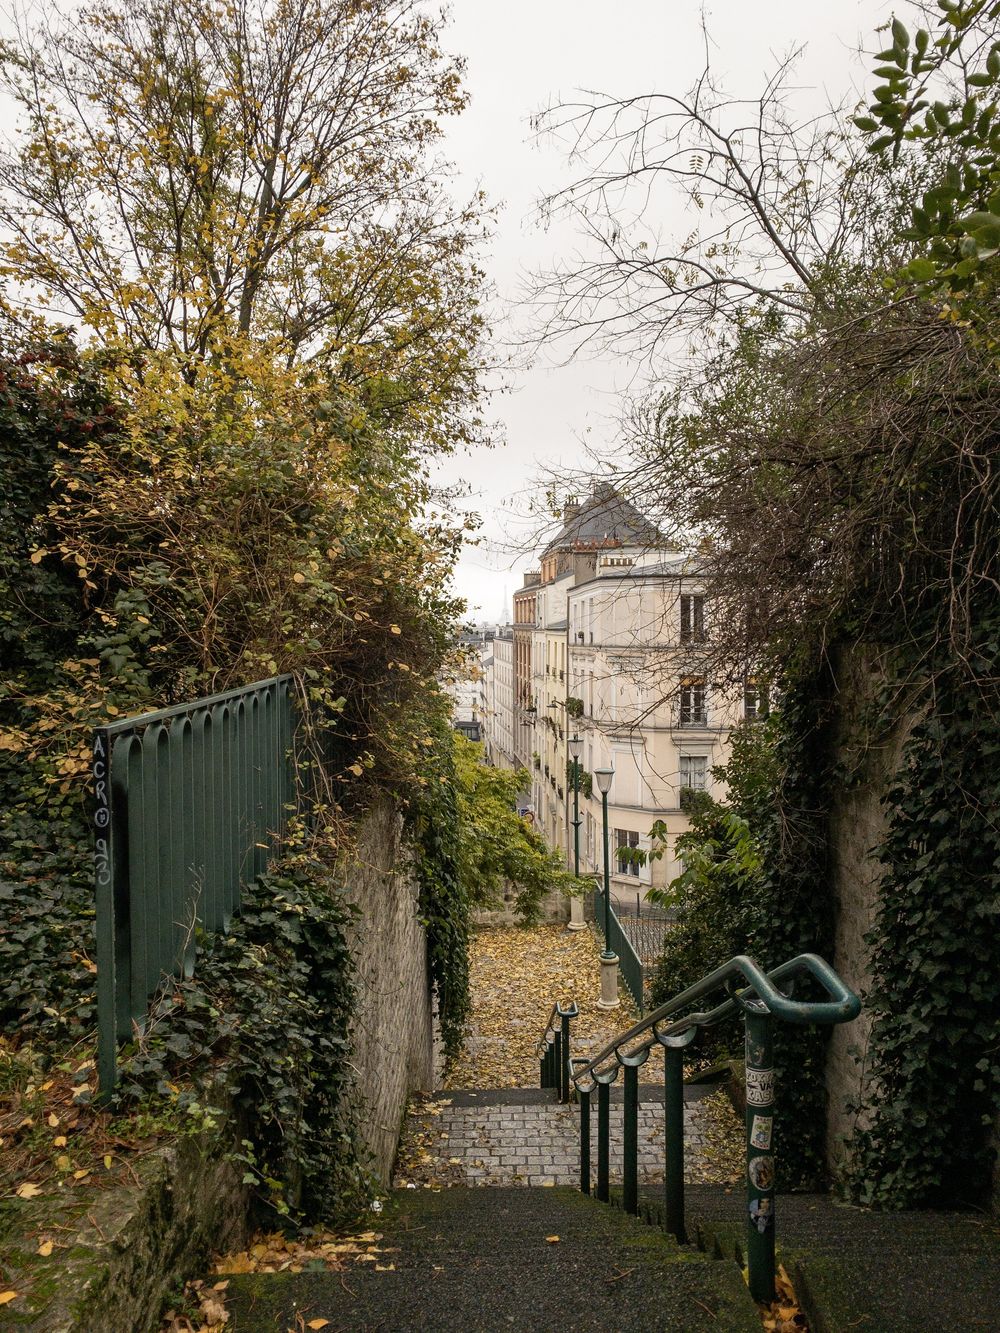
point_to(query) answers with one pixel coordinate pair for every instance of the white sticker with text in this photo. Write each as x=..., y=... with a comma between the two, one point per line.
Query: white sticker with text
x=760, y=1087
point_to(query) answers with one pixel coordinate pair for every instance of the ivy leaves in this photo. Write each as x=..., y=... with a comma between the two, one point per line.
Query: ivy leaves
x=934, y=1076
x=269, y=1008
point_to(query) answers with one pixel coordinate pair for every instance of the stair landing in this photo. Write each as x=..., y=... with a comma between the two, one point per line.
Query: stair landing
x=522, y=1136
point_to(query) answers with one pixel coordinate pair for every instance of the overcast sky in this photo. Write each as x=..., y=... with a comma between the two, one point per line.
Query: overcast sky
x=523, y=54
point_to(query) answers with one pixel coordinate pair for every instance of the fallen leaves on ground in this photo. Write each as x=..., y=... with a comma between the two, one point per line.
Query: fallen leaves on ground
x=205, y=1310
x=278, y=1253
x=516, y=975
x=784, y=1314
x=722, y=1156
x=52, y=1139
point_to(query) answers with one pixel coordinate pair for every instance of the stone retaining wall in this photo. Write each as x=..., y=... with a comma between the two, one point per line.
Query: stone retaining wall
x=394, y=1037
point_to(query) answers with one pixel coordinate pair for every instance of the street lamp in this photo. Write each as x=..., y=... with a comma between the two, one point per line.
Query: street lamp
x=609, y=959
x=576, y=749
x=576, y=917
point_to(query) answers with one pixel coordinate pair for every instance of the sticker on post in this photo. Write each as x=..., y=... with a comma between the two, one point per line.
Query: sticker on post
x=762, y=1214
x=760, y=1087
x=761, y=1171
x=760, y=1132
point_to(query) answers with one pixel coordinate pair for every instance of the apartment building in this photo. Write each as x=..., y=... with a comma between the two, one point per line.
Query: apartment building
x=644, y=705
x=609, y=643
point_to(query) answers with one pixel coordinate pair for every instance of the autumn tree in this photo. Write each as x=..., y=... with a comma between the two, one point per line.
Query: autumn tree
x=191, y=176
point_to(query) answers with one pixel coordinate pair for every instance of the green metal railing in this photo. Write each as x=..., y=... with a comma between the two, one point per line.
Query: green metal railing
x=755, y=994
x=553, y=1050
x=629, y=963
x=191, y=804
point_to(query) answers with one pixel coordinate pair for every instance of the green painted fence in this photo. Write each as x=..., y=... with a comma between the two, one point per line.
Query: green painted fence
x=629, y=963
x=192, y=803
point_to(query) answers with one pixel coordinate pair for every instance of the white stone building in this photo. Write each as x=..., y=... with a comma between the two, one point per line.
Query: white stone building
x=618, y=649
x=497, y=700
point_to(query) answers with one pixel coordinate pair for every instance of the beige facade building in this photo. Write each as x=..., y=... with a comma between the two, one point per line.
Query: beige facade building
x=622, y=621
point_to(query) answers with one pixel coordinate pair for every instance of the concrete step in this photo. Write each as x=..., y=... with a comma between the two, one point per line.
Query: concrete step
x=856, y=1270
x=480, y=1261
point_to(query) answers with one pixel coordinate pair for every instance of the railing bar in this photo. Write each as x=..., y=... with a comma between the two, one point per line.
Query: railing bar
x=630, y=1141
x=603, y=1140
x=584, y=1100
x=673, y=1147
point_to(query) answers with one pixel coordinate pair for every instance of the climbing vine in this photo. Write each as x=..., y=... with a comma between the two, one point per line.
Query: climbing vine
x=444, y=902
x=933, y=1061
x=264, y=1025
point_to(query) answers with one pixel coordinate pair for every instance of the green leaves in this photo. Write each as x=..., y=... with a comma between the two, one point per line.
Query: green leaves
x=942, y=102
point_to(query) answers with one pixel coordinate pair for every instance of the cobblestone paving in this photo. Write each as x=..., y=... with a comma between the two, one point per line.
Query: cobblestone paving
x=535, y=1143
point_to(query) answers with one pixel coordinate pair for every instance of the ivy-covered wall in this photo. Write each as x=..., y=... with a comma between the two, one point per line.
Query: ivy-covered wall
x=857, y=827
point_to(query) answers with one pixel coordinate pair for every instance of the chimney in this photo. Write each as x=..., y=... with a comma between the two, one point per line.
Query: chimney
x=570, y=510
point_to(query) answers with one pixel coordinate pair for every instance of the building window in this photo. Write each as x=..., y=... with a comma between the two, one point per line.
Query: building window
x=628, y=844
x=755, y=700
x=694, y=772
x=692, y=618
x=693, y=711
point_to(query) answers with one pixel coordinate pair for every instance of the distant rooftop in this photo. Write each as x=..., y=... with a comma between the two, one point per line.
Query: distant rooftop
x=605, y=519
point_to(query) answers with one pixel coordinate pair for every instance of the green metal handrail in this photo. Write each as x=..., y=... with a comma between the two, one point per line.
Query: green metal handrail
x=191, y=803
x=553, y=1049
x=754, y=993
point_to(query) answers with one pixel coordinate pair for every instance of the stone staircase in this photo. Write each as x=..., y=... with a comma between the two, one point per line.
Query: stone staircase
x=497, y=1236
x=482, y=1260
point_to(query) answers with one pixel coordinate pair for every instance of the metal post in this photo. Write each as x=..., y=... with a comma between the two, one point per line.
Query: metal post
x=557, y=1063
x=576, y=818
x=584, y=1099
x=673, y=1125
x=630, y=1142
x=760, y=1158
x=564, y=1067
x=603, y=1140
x=608, y=951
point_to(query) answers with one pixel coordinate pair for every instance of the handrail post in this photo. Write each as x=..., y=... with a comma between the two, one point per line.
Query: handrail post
x=557, y=1063
x=584, y=1101
x=630, y=1142
x=673, y=1128
x=564, y=1065
x=760, y=1158
x=603, y=1140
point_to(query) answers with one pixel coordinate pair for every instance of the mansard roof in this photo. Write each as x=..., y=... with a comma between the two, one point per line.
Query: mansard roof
x=605, y=519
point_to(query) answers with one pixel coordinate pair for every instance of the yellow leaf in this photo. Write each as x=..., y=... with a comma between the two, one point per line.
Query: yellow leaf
x=395, y=629
x=7, y=1296
x=59, y=1141
x=28, y=1190
x=45, y=1249
x=357, y=770
x=79, y=1175
x=552, y=1240
x=107, y=1160
x=53, y=1120
x=62, y=1162
x=317, y=1323
x=298, y=578
x=36, y=559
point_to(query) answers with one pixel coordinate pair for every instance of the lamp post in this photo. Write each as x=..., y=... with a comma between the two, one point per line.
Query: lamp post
x=609, y=959
x=576, y=921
